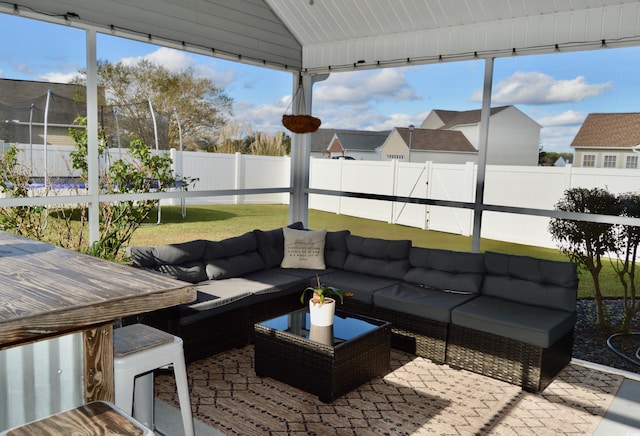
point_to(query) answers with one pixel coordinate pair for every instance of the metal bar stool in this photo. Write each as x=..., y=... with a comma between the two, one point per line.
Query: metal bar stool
x=138, y=350
x=93, y=419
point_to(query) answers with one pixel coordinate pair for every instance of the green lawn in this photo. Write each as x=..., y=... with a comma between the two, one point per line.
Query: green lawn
x=222, y=221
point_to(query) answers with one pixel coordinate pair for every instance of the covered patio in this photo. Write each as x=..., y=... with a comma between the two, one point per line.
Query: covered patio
x=315, y=38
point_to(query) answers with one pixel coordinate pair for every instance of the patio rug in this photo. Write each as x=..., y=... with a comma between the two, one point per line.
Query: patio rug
x=415, y=397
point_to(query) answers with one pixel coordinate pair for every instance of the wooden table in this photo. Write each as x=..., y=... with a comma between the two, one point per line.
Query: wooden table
x=47, y=291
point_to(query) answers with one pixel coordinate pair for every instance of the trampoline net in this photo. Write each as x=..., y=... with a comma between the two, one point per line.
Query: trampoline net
x=29, y=121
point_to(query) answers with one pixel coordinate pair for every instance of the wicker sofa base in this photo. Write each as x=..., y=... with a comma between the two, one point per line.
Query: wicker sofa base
x=412, y=334
x=515, y=362
x=215, y=334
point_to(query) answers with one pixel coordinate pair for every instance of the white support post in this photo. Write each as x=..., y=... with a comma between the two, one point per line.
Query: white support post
x=301, y=149
x=92, y=138
x=482, y=154
x=237, y=177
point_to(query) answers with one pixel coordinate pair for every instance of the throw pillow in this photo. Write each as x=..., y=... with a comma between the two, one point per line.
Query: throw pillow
x=303, y=248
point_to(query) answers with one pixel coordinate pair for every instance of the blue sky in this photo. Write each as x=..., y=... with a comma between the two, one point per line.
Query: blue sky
x=557, y=91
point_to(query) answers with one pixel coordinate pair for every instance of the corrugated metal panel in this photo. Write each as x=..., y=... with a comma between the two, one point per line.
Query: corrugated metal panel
x=39, y=379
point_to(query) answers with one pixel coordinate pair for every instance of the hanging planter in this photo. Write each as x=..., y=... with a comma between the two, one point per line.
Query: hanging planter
x=301, y=123
x=298, y=123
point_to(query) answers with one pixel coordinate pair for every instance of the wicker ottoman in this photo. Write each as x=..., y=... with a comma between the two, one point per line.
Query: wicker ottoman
x=339, y=359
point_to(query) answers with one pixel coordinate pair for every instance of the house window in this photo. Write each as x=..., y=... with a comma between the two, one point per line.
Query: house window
x=610, y=161
x=395, y=156
x=589, y=160
x=631, y=162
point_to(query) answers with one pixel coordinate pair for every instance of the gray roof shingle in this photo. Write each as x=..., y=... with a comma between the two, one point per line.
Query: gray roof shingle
x=350, y=139
x=436, y=140
x=613, y=130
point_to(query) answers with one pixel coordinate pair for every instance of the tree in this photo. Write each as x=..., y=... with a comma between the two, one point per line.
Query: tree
x=627, y=241
x=139, y=171
x=26, y=221
x=586, y=242
x=240, y=138
x=201, y=106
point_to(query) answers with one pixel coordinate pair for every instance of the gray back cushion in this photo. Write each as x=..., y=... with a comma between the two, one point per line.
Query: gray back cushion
x=188, y=272
x=232, y=257
x=380, y=257
x=169, y=254
x=529, y=280
x=335, y=249
x=271, y=244
x=182, y=261
x=446, y=270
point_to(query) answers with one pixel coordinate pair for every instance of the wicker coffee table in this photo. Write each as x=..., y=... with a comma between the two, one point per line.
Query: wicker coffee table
x=325, y=361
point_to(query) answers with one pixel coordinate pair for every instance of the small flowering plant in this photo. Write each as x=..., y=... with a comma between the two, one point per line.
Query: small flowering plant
x=320, y=292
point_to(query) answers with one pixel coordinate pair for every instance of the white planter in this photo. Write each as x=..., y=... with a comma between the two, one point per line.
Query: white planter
x=322, y=314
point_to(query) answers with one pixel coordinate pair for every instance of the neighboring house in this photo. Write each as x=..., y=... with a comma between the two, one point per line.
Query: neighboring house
x=357, y=144
x=563, y=161
x=608, y=141
x=320, y=140
x=440, y=146
x=453, y=137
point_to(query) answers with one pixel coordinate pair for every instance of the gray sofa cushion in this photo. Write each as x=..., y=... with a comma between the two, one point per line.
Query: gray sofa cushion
x=193, y=273
x=275, y=281
x=271, y=244
x=380, y=257
x=361, y=285
x=446, y=270
x=308, y=275
x=533, y=325
x=232, y=257
x=335, y=249
x=214, y=298
x=169, y=254
x=529, y=280
x=419, y=301
x=211, y=293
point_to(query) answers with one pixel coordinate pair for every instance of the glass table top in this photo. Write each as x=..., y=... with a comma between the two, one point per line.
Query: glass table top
x=346, y=326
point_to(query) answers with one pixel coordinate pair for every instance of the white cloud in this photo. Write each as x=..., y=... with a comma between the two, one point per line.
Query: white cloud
x=396, y=120
x=23, y=67
x=558, y=138
x=56, y=77
x=263, y=118
x=559, y=130
x=567, y=118
x=539, y=88
x=359, y=87
x=221, y=79
x=172, y=60
x=176, y=60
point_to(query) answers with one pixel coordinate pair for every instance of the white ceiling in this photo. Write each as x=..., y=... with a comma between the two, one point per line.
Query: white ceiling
x=333, y=35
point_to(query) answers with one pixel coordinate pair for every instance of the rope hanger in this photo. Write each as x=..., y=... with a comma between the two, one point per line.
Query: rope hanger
x=298, y=123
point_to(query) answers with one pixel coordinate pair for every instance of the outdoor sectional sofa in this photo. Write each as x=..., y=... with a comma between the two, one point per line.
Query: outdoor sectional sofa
x=505, y=316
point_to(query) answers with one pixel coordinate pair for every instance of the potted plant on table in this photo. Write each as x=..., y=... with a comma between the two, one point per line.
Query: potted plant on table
x=322, y=306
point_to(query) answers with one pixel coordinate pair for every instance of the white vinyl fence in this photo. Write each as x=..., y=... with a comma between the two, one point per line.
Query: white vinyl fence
x=520, y=186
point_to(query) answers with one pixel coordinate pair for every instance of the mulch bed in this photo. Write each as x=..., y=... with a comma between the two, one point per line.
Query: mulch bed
x=590, y=342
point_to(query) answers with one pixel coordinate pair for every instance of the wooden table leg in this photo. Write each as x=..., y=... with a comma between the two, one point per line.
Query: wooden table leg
x=98, y=363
